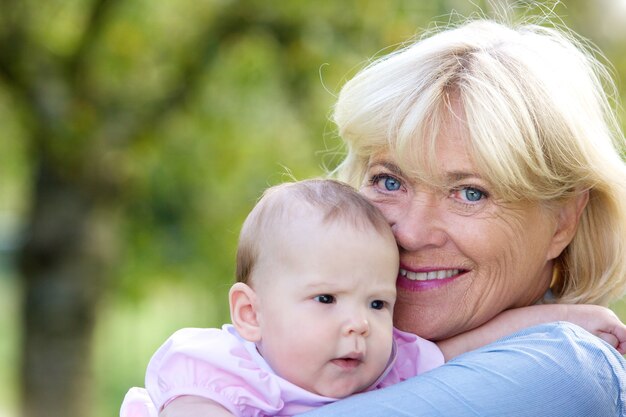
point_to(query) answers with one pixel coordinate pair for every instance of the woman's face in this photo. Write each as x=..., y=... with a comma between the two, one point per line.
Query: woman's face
x=465, y=256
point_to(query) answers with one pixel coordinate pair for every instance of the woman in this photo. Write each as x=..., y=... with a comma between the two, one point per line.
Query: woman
x=494, y=154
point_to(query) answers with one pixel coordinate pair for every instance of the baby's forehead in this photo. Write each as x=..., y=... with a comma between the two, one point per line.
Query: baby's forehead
x=307, y=215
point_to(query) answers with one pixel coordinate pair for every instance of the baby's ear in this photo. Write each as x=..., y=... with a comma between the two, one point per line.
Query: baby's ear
x=243, y=312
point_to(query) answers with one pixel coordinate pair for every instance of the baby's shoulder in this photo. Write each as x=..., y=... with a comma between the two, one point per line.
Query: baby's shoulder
x=209, y=344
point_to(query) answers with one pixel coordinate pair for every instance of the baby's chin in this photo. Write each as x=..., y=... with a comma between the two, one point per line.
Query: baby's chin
x=340, y=389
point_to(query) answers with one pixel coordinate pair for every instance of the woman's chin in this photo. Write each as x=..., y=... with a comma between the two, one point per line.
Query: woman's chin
x=410, y=320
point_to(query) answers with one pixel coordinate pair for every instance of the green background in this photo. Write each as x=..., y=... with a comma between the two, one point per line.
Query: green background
x=172, y=116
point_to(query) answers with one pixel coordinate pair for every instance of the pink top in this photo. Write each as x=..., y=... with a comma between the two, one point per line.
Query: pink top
x=219, y=365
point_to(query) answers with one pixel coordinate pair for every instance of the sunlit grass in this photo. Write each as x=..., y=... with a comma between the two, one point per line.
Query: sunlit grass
x=619, y=308
x=8, y=345
x=130, y=332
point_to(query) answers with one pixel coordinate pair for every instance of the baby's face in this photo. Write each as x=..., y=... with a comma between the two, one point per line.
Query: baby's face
x=325, y=304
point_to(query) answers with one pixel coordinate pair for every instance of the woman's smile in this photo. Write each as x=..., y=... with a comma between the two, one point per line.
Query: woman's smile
x=426, y=279
x=429, y=275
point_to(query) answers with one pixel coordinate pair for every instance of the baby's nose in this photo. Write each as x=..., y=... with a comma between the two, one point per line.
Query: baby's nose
x=357, y=325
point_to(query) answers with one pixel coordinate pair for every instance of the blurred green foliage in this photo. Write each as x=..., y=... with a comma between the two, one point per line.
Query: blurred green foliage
x=256, y=114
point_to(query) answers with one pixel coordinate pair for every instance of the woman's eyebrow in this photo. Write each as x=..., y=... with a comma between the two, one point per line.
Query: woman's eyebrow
x=390, y=166
x=462, y=175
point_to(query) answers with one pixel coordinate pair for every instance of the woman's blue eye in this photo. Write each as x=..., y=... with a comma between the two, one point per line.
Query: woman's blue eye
x=390, y=183
x=377, y=304
x=387, y=182
x=471, y=194
x=325, y=299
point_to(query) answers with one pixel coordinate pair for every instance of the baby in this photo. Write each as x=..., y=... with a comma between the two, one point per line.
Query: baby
x=312, y=316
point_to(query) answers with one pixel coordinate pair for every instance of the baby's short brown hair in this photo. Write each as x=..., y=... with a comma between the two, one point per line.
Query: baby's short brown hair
x=336, y=200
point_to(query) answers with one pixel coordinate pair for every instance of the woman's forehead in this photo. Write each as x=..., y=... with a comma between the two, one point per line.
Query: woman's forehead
x=446, y=154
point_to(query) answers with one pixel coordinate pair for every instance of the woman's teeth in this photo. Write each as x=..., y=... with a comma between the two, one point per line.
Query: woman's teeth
x=427, y=276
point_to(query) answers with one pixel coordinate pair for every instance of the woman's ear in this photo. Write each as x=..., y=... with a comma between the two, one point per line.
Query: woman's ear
x=568, y=217
x=243, y=311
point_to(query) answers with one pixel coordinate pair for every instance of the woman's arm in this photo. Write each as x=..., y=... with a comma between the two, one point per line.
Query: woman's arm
x=555, y=370
x=597, y=320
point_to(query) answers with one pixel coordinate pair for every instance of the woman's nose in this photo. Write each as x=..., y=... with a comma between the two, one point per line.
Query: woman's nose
x=420, y=223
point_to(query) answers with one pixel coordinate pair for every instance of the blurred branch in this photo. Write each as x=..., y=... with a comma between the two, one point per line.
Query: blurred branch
x=191, y=69
x=13, y=40
x=94, y=24
x=235, y=21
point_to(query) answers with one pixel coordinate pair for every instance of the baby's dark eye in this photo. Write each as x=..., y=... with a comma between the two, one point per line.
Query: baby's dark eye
x=377, y=304
x=325, y=299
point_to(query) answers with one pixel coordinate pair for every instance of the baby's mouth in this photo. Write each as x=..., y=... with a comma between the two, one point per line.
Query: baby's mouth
x=350, y=361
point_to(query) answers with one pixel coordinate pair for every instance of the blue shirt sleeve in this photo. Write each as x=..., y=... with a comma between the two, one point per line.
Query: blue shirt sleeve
x=556, y=370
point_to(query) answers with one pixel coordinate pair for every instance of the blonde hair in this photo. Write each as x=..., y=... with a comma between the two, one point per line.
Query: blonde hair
x=336, y=201
x=540, y=124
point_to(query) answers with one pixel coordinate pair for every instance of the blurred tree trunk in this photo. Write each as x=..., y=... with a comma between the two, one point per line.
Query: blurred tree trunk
x=64, y=258
x=63, y=264
x=70, y=236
